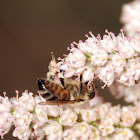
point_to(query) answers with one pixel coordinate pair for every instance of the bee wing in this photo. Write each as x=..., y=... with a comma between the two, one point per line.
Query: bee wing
x=57, y=102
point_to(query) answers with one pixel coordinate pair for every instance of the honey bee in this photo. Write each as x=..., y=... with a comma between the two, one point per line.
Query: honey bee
x=68, y=91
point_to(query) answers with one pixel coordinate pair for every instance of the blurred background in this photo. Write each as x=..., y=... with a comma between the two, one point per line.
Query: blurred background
x=30, y=30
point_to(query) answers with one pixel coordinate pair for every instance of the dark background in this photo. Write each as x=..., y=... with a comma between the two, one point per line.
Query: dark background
x=30, y=30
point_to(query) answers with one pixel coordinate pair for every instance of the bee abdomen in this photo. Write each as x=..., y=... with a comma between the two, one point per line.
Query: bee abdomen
x=49, y=89
x=65, y=95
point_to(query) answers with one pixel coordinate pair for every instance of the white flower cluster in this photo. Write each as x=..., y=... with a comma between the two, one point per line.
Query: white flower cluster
x=130, y=94
x=109, y=58
x=6, y=115
x=131, y=17
x=67, y=122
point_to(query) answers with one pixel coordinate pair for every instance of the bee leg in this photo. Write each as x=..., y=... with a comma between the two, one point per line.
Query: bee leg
x=61, y=77
x=62, y=82
x=81, y=81
x=91, y=95
x=92, y=90
x=86, y=83
x=81, y=84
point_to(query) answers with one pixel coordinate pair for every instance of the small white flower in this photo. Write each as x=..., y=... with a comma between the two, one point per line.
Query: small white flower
x=128, y=116
x=109, y=42
x=131, y=93
x=53, y=110
x=125, y=48
x=68, y=135
x=106, y=127
x=77, y=107
x=132, y=73
x=27, y=101
x=6, y=120
x=127, y=78
x=106, y=74
x=22, y=117
x=118, y=62
x=99, y=57
x=6, y=117
x=69, y=71
x=114, y=114
x=88, y=74
x=95, y=133
x=41, y=114
x=38, y=134
x=76, y=58
x=82, y=131
x=103, y=110
x=22, y=132
x=53, y=130
x=123, y=134
x=84, y=47
x=92, y=43
x=5, y=104
x=135, y=42
x=68, y=117
x=38, y=99
x=131, y=17
x=88, y=115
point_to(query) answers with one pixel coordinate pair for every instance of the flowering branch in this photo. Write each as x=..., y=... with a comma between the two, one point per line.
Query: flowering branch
x=86, y=121
x=111, y=58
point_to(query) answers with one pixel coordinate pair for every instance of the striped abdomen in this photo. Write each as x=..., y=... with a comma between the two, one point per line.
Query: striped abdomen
x=54, y=90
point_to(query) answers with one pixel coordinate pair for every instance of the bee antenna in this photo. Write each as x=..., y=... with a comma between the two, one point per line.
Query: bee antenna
x=62, y=82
